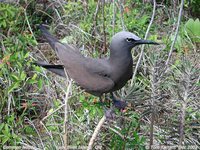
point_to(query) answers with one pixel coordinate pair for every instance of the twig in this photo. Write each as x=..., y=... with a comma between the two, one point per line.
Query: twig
x=66, y=114
x=183, y=109
x=87, y=34
x=9, y=103
x=49, y=133
x=176, y=33
x=182, y=123
x=59, y=17
x=96, y=131
x=61, y=5
x=85, y=5
x=153, y=82
x=118, y=133
x=38, y=133
x=114, y=15
x=104, y=30
x=95, y=18
x=121, y=15
x=52, y=113
x=29, y=26
x=146, y=35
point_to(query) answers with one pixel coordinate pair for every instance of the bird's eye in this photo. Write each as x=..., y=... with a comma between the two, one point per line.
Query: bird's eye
x=129, y=40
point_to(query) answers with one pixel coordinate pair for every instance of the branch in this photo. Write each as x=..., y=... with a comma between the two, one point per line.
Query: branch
x=153, y=107
x=66, y=113
x=114, y=16
x=95, y=17
x=176, y=33
x=182, y=123
x=121, y=15
x=96, y=131
x=146, y=35
x=104, y=30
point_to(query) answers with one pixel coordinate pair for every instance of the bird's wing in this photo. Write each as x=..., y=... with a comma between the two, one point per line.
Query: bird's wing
x=87, y=72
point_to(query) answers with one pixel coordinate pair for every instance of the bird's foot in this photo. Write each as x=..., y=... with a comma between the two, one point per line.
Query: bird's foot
x=119, y=104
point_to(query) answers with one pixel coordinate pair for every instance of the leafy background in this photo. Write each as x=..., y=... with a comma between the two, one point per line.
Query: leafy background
x=164, y=100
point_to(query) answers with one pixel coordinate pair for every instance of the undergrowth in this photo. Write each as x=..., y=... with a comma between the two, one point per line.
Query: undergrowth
x=163, y=101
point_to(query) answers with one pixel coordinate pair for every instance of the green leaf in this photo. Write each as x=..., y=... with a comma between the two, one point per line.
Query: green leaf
x=23, y=76
x=6, y=131
x=29, y=130
x=82, y=98
x=1, y=126
x=5, y=139
x=6, y=128
x=4, y=24
x=193, y=29
x=34, y=77
x=40, y=83
x=11, y=119
x=27, y=55
x=13, y=86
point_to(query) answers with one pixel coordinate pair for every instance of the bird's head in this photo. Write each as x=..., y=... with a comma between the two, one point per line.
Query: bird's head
x=127, y=40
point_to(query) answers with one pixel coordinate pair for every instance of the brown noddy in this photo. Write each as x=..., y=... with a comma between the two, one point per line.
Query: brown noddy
x=96, y=76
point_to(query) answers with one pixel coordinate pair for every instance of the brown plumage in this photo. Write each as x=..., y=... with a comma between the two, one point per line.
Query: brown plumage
x=96, y=76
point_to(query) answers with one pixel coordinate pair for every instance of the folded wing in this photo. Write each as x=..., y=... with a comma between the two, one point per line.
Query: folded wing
x=90, y=74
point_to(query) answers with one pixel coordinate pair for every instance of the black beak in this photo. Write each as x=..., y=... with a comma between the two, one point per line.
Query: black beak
x=145, y=42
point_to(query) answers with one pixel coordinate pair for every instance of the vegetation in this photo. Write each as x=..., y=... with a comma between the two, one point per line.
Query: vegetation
x=40, y=110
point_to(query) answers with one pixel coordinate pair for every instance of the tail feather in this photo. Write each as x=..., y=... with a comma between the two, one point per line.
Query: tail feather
x=57, y=69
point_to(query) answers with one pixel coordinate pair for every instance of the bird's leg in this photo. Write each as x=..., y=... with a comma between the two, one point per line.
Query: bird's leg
x=108, y=112
x=121, y=105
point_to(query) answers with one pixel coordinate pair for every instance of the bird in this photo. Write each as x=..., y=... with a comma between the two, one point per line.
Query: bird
x=95, y=75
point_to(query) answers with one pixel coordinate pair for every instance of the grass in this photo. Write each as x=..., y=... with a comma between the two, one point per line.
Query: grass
x=40, y=110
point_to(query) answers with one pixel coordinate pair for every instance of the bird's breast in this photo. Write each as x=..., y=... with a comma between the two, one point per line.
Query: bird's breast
x=122, y=73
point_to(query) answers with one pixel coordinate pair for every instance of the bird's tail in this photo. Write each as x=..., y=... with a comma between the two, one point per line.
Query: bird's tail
x=49, y=37
x=57, y=69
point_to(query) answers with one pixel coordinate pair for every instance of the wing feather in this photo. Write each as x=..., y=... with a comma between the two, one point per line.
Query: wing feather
x=89, y=73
